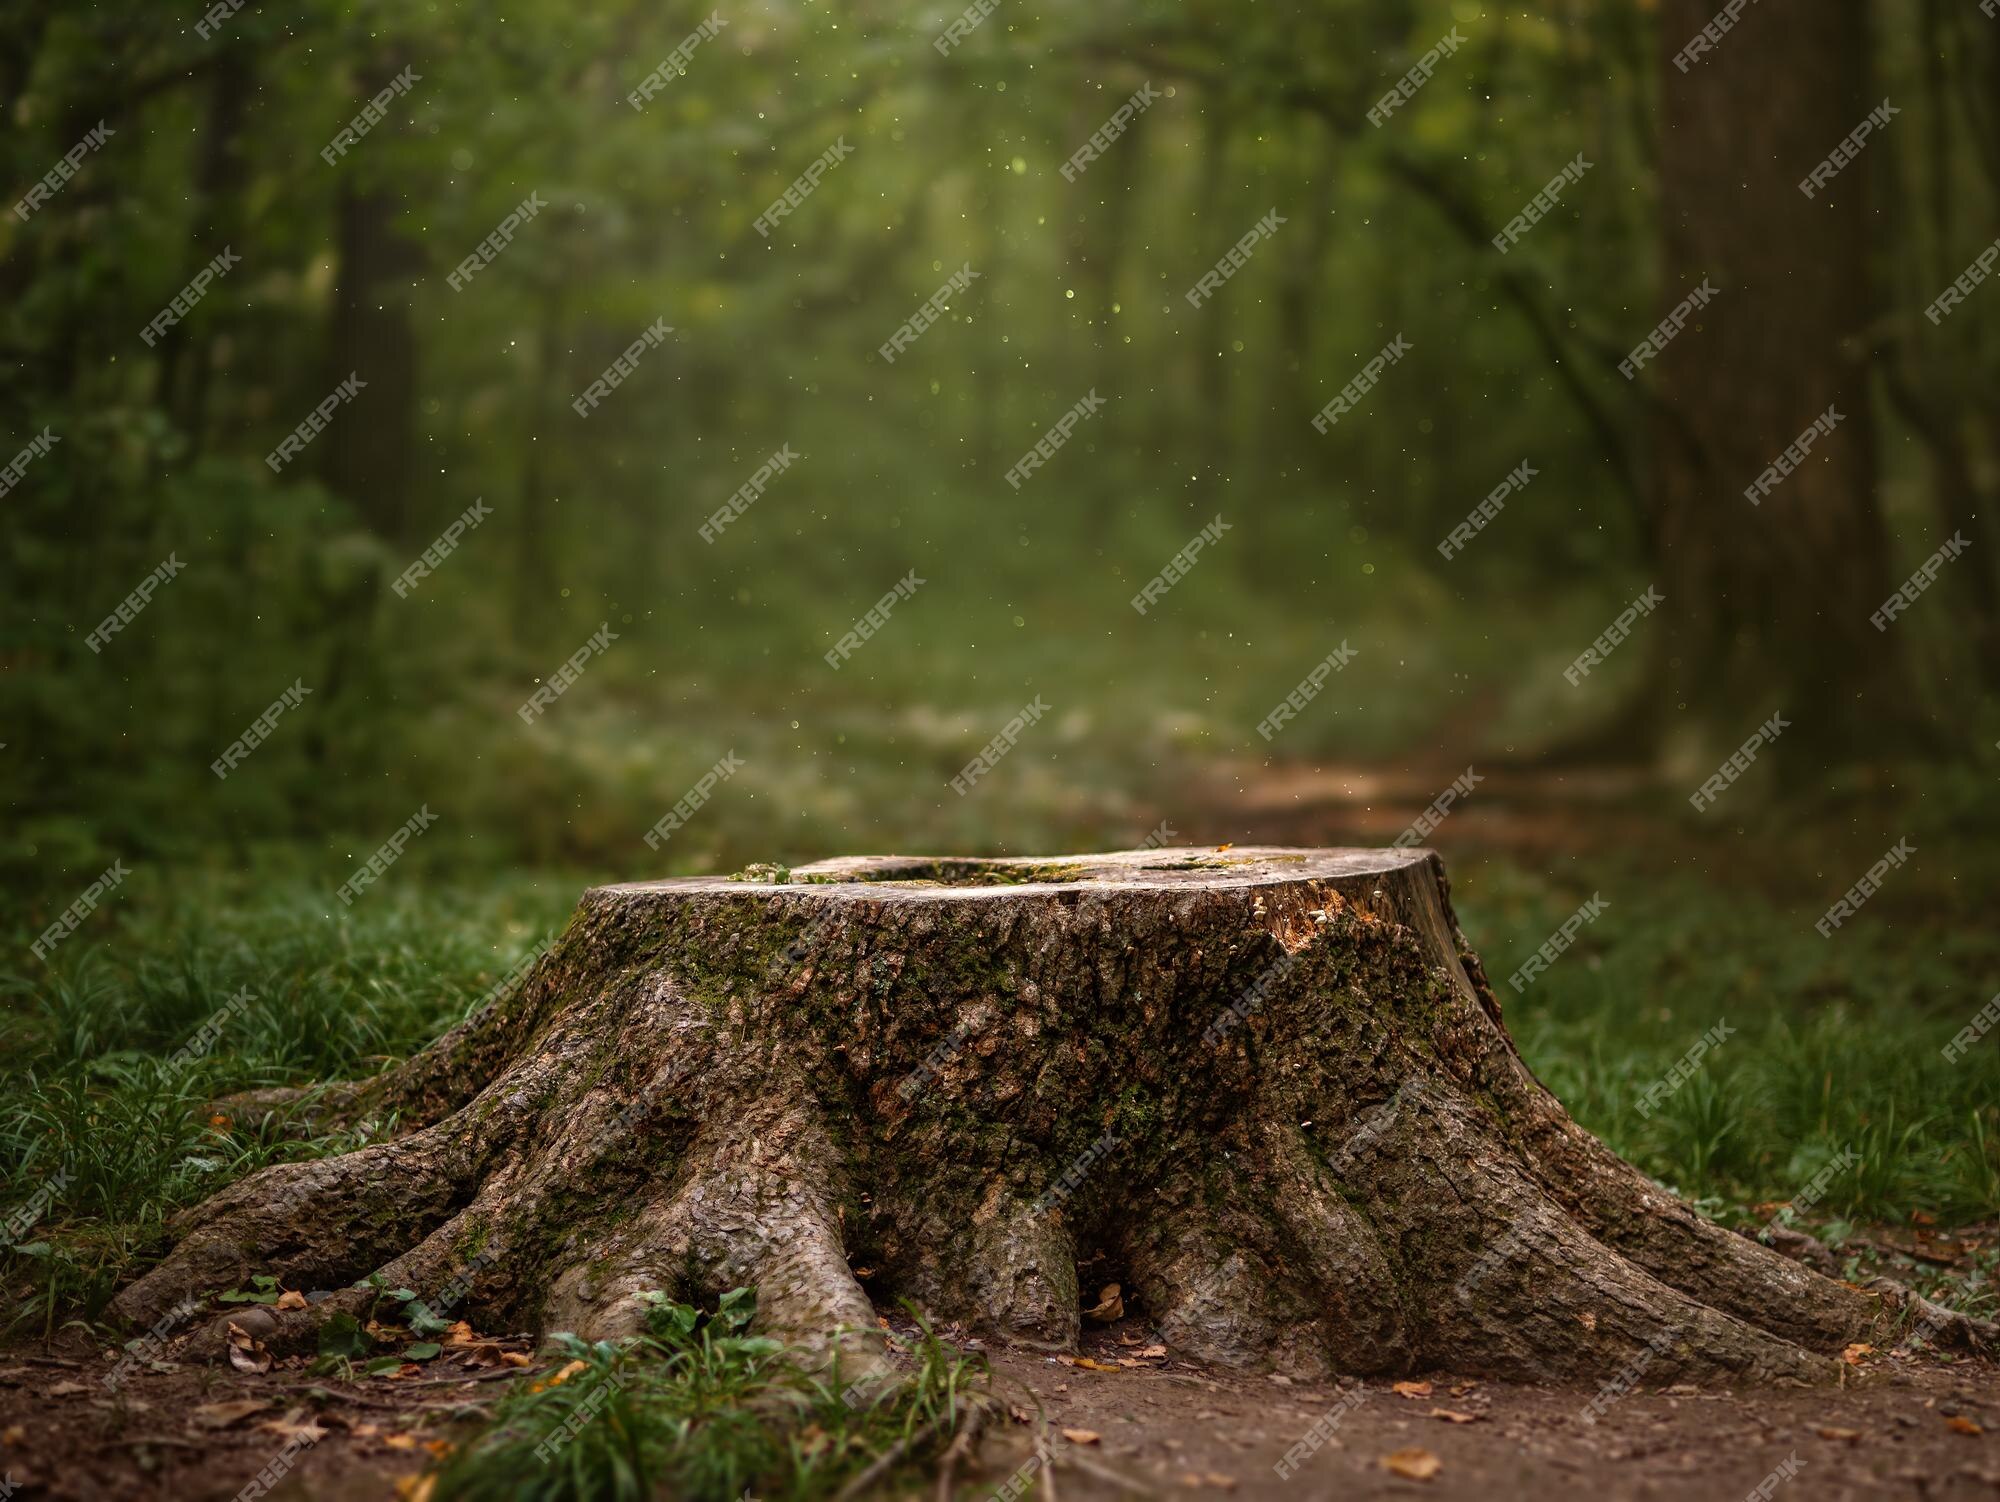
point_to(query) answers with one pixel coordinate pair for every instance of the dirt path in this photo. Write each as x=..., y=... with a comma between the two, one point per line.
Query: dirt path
x=1907, y=1429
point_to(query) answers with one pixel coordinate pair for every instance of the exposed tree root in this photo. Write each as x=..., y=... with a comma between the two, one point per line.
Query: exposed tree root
x=1272, y=1086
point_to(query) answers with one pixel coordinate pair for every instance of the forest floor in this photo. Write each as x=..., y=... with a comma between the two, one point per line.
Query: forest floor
x=1905, y=1428
x=1840, y=1048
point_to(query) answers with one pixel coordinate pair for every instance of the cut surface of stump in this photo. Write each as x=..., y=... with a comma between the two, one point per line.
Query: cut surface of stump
x=1269, y=1091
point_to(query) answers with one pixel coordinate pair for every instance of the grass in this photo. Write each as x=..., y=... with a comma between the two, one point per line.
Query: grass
x=697, y=1407
x=1832, y=1048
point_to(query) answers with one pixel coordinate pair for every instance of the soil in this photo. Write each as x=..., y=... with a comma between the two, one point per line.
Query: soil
x=1905, y=1428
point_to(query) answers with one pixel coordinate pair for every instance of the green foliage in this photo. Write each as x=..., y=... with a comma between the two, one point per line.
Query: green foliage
x=1831, y=1051
x=700, y=1408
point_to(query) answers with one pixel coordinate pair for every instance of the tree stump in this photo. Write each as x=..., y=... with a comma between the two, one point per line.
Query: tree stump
x=1269, y=1091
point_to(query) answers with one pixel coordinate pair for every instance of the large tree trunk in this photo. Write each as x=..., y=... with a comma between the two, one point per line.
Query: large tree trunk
x=1270, y=1088
x=1768, y=607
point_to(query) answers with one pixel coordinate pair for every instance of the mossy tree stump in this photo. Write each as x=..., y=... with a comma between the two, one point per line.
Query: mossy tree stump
x=1271, y=1088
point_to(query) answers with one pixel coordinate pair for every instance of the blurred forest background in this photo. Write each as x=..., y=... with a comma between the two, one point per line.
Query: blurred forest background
x=956, y=161
x=214, y=142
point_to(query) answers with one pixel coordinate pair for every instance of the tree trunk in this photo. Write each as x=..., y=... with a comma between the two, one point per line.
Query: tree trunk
x=1270, y=1088
x=1767, y=607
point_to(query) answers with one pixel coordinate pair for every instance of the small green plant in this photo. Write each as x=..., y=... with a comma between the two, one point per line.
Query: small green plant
x=700, y=1408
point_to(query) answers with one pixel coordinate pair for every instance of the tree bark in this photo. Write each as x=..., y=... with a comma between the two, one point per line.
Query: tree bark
x=1767, y=607
x=1270, y=1088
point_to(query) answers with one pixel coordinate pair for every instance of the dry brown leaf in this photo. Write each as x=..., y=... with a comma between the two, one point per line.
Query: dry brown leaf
x=291, y=1298
x=294, y=1426
x=1151, y=1351
x=1412, y=1464
x=1095, y=1366
x=415, y=1488
x=1411, y=1389
x=1125, y=1339
x=1081, y=1436
x=246, y=1352
x=1066, y=1360
x=1853, y=1354
x=517, y=1358
x=1829, y=1432
x=1958, y=1423
x=400, y=1441
x=65, y=1389
x=568, y=1371
x=1219, y=1481
x=13, y=1434
x=1019, y=1414
x=222, y=1415
x=1452, y=1416
x=1110, y=1305
x=460, y=1334
x=439, y=1447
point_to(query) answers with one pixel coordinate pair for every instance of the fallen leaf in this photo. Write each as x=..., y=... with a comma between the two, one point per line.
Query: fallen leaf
x=415, y=1488
x=1081, y=1436
x=517, y=1358
x=423, y=1350
x=1460, y=1389
x=222, y=1415
x=219, y=1122
x=293, y=1426
x=1853, y=1354
x=400, y=1441
x=1412, y=1464
x=460, y=1334
x=246, y=1352
x=1411, y=1389
x=1019, y=1414
x=1452, y=1416
x=1066, y=1360
x=439, y=1447
x=1151, y=1351
x=291, y=1298
x=1850, y=1435
x=1095, y=1366
x=1218, y=1480
x=65, y=1389
x=565, y=1373
x=1958, y=1423
x=13, y=1434
x=1110, y=1305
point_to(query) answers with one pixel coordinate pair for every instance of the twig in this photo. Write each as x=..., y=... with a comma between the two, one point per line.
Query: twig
x=55, y=1361
x=1048, y=1460
x=1104, y=1472
x=960, y=1447
x=159, y=1439
x=493, y=1376
x=884, y=1462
